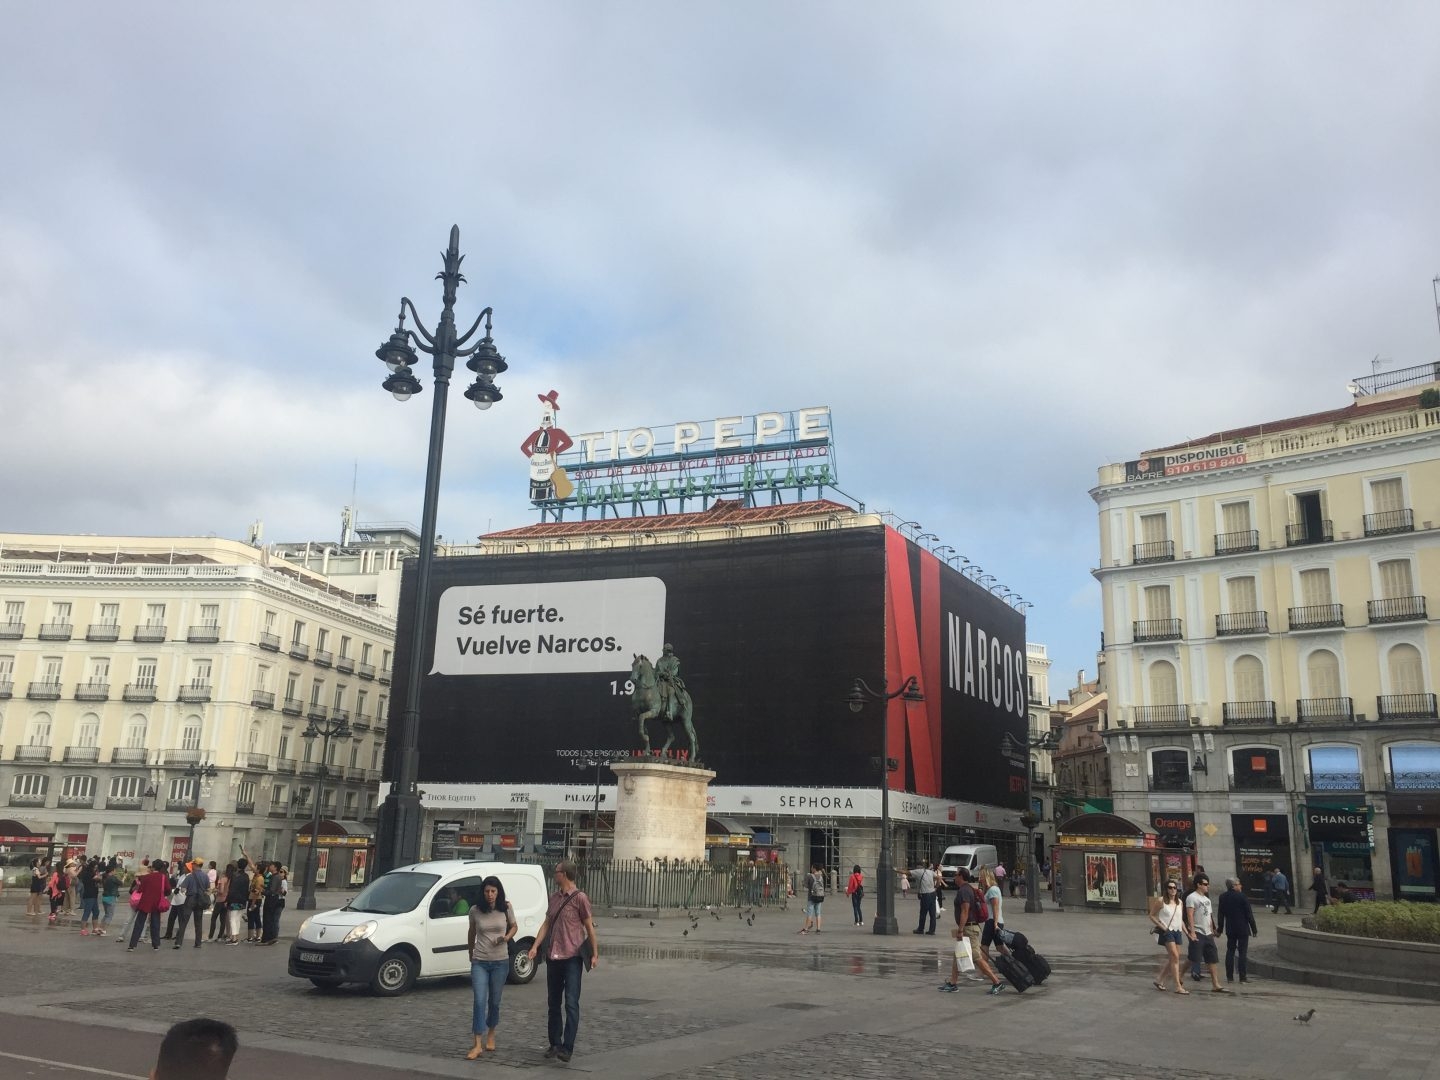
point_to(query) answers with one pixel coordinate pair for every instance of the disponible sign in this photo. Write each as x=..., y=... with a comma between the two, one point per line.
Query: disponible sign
x=1186, y=461
x=547, y=627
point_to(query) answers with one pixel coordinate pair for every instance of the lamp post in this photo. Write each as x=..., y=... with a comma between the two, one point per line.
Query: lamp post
x=1029, y=818
x=398, y=835
x=597, y=763
x=195, y=815
x=324, y=730
x=860, y=692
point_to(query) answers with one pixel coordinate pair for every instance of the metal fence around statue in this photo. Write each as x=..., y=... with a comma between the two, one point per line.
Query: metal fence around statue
x=640, y=884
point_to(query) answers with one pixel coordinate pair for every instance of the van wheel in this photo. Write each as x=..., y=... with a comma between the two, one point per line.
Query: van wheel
x=395, y=975
x=522, y=968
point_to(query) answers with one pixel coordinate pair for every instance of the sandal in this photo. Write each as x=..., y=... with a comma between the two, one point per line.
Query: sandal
x=1158, y=987
x=1182, y=990
x=1220, y=990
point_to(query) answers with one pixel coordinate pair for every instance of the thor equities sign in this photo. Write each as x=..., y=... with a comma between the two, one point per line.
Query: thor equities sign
x=1187, y=461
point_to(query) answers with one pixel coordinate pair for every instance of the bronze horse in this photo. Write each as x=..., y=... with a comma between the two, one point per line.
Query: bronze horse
x=645, y=705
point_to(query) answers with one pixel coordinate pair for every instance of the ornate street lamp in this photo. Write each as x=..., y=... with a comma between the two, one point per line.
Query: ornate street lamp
x=398, y=836
x=860, y=692
x=324, y=730
x=195, y=814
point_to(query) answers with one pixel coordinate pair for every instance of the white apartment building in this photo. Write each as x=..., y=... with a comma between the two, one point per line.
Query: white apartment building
x=1271, y=657
x=131, y=668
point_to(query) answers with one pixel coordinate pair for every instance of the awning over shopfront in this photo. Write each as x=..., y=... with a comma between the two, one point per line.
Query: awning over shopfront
x=1104, y=830
x=727, y=825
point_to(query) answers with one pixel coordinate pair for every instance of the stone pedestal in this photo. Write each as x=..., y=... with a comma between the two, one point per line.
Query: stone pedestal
x=660, y=810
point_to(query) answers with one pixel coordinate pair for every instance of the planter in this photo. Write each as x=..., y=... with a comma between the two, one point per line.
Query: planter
x=1374, y=957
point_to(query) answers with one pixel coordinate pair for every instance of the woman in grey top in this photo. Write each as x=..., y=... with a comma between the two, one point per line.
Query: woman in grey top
x=492, y=925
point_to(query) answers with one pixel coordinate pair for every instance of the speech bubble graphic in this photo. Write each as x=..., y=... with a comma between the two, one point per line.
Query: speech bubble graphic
x=548, y=626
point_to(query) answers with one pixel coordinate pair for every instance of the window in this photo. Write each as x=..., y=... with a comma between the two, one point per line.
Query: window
x=200, y=673
x=345, y=648
x=209, y=614
x=60, y=611
x=1235, y=517
x=87, y=733
x=190, y=734
x=14, y=611
x=1395, y=579
x=1413, y=766
x=360, y=696
x=7, y=668
x=127, y=787
x=284, y=748
x=365, y=648
x=1315, y=587
x=1164, y=689
x=1388, y=495
x=354, y=755
x=330, y=753
x=182, y=789
x=322, y=638
x=1154, y=528
x=145, y=673
x=52, y=666
x=1322, y=670
x=280, y=796
x=1241, y=594
x=1256, y=768
x=262, y=677
x=31, y=785
x=1170, y=770
x=1310, y=515
x=316, y=689
x=292, y=686
x=37, y=732
x=1249, y=679
x=109, y=614
x=352, y=803
x=339, y=697
x=154, y=614
x=254, y=739
x=135, y=729
x=381, y=713
x=1157, y=602
x=1407, y=670
x=100, y=669
x=77, y=787
x=309, y=751
x=375, y=756
x=269, y=622
x=297, y=636
x=245, y=792
x=1335, y=768
x=385, y=660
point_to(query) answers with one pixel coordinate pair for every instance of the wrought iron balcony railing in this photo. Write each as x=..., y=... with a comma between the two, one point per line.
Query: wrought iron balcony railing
x=1316, y=616
x=292, y=706
x=1413, y=781
x=1237, y=623
x=323, y=658
x=1319, y=532
x=82, y=755
x=1240, y=713
x=92, y=690
x=269, y=641
x=365, y=671
x=345, y=664
x=1406, y=707
x=103, y=632
x=204, y=634
x=1396, y=609
x=180, y=757
x=1334, y=781
x=1157, y=630
x=195, y=693
x=1257, y=782
x=1390, y=521
x=1153, y=552
x=1233, y=543
x=129, y=755
x=262, y=699
x=1162, y=716
x=299, y=650
x=147, y=632
x=1333, y=710
x=56, y=631
x=139, y=692
x=12, y=630
x=32, y=753
x=1170, y=783
x=44, y=690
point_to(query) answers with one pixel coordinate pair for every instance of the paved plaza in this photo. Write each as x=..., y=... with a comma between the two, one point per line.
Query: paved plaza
x=725, y=999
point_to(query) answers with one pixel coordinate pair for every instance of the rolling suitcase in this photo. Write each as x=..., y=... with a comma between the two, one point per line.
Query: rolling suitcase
x=1016, y=973
x=1037, y=965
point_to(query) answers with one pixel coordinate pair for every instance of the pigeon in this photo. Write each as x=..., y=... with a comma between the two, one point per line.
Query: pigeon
x=685, y=933
x=1304, y=1017
x=652, y=922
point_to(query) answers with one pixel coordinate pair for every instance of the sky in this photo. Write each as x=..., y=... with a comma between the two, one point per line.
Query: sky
x=1005, y=244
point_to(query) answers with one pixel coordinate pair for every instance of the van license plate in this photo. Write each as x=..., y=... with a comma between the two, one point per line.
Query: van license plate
x=313, y=957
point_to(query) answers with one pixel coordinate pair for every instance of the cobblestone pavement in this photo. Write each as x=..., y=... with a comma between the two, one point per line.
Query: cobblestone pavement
x=720, y=997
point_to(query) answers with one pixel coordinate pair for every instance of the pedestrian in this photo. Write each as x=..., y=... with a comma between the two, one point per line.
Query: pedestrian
x=255, y=904
x=134, y=893
x=177, y=899
x=151, y=888
x=194, y=899
x=925, y=889
x=72, y=892
x=492, y=925
x=1279, y=892
x=1169, y=920
x=195, y=1048
x=1200, y=928
x=88, y=882
x=39, y=874
x=1236, y=920
x=1001, y=875
x=814, y=897
x=855, y=889
x=220, y=907
x=970, y=915
x=57, y=887
x=994, y=911
x=236, y=901
x=904, y=883
x=274, y=904
x=939, y=887
x=1319, y=888
x=568, y=927
x=110, y=883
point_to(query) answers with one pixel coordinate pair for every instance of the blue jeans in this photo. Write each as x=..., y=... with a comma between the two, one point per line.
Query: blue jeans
x=855, y=906
x=562, y=977
x=89, y=909
x=487, y=979
x=927, y=911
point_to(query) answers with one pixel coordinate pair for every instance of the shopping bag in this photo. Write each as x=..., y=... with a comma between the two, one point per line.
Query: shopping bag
x=962, y=955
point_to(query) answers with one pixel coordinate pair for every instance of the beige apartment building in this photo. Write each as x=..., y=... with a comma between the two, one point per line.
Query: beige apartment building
x=1270, y=654
x=134, y=668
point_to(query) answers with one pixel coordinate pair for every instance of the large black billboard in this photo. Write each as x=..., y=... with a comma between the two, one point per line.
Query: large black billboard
x=532, y=662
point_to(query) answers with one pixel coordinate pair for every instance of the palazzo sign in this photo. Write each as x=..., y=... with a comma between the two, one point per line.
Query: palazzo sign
x=686, y=459
x=1185, y=462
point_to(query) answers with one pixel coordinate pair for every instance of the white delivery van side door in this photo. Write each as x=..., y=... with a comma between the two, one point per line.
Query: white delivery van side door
x=447, y=931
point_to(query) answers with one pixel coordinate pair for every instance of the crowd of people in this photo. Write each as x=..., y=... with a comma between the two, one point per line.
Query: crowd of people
x=240, y=897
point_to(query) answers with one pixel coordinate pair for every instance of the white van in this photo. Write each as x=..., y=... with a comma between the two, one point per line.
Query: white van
x=403, y=926
x=970, y=856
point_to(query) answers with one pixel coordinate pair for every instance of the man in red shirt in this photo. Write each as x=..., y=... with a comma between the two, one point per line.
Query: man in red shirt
x=568, y=927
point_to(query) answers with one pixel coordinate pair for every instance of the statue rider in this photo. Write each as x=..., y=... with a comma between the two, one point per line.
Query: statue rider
x=667, y=674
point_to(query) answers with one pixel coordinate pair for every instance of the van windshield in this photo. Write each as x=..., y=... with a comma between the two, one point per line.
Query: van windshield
x=394, y=893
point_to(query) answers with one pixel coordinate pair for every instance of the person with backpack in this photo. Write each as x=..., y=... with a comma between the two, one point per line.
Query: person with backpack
x=195, y=901
x=971, y=913
x=855, y=889
x=814, y=897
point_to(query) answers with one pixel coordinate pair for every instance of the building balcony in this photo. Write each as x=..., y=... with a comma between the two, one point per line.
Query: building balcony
x=82, y=755
x=1242, y=713
x=262, y=699
x=107, y=631
x=323, y=658
x=1234, y=543
x=1334, y=781
x=371, y=816
x=76, y=802
x=140, y=692
x=204, y=634
x=1170, y=783
x=345, y=664
x=31, y=753
x=252, y=760
x=12, y=630
x=178, y=805
x=1257, y=782
x=1151, y=716
x=361, y=722
x=310, y=768
x=279, y=809
x=340, y=715
x=285, y=765
x=268, y=641
x=56, y=631
x=7, y=689
x=151, y=632
x=1333, y=710
x=245, y=807
x=299, y=650
x=44, y=690
x=180, y=757
x=1156, y=630
x=129, y=755
x=1037, y=779
x=292, y=706
x=1396, y=609
x=1302, y=533
x=123, y=802
x=365, y=671
x=380, y=725
x=1390, y=522
x=196, y=693
x=26, y=800
x=1406, y=707
x=317, y=712
x=384, y=676
x=1407, y=781
x=1240, y=623
x=1153, y=552
x=1316, y=617
x=92, y=691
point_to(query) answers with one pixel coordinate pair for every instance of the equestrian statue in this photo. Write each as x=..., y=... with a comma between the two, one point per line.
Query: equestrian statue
x=659, y=691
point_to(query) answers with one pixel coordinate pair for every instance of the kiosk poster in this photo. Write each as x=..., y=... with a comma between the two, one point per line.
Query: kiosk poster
x=1102, y=879
x=322, y=865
